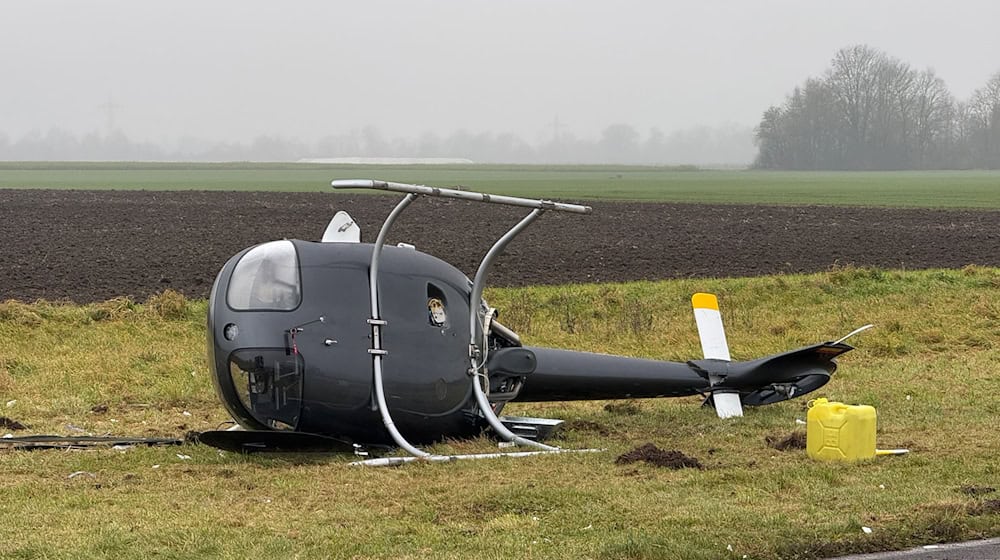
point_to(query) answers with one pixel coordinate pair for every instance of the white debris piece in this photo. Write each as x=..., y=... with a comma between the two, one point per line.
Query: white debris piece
x=11, y=403
x=186, y=413
x=183, y=457
x=78, y=473
x=867, y=530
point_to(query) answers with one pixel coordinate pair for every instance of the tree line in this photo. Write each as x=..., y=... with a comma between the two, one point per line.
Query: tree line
x=617, y=144
x=870, y=111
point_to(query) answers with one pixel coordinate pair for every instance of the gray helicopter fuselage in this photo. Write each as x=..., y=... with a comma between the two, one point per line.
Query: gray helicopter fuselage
x=289, y=341
x=291, y=349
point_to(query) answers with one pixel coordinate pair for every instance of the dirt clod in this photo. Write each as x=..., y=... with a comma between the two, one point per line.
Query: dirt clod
x=626, y=408
x=987, y=507
x=653, y=455
x=99, y=409
x=11, y=424
x=578, y=425
x=977, y=490
x=794, y=440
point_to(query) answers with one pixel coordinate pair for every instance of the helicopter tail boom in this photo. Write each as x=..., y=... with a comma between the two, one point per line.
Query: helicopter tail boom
x=563, y=375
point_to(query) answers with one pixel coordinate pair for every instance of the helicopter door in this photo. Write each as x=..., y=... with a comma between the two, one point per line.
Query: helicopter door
x=269, y=383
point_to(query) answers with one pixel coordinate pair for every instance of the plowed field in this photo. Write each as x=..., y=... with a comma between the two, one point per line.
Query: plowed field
x=93, y=245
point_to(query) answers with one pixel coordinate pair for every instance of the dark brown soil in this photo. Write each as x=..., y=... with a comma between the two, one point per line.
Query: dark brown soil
x=11, y=424
x=655, y=456
x=987, y=507
x=794, y=440
x=977, y=490
x=627, y=408
x=89, y=246
x=586, y=426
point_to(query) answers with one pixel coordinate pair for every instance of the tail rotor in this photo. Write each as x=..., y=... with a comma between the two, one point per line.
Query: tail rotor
x=714, y=347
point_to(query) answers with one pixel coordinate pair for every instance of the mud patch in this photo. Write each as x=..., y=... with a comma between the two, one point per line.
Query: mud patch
x=578, y=425
x=976, y=490
x=793, y=441
x=988, y=507
x=653, y=455
x=11, y=424
x=627, y=408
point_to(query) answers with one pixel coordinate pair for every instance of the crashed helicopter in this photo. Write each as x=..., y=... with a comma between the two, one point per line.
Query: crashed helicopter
x=339, y=344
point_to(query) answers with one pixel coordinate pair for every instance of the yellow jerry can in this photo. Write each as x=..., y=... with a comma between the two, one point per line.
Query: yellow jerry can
x=840, y=432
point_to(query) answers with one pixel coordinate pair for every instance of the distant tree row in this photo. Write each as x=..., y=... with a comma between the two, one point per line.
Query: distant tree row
x=617, y=144
x=870, y=111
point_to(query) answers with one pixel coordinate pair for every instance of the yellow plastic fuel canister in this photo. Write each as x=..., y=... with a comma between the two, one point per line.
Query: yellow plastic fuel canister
x=840, y=432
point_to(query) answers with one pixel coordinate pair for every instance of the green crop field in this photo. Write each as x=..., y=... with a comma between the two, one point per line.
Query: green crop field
x=931, y=367
x=928, y=189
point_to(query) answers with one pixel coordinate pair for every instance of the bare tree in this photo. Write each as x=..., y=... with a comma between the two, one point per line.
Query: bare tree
x=854, y=81
x=934, y=118
x=982, y=124
x=872, y=111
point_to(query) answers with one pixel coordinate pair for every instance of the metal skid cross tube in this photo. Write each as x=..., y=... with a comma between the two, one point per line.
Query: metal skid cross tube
x=377, y=323
x=478, y=354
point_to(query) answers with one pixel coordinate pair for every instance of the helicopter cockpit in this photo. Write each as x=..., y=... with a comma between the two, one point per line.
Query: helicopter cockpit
x=265, y=381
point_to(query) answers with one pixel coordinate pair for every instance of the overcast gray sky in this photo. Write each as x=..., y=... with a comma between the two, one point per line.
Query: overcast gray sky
x=232, y=70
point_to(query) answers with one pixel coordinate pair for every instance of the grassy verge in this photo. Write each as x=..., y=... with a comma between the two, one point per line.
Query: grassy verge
x=934, y=189
x=930, y=368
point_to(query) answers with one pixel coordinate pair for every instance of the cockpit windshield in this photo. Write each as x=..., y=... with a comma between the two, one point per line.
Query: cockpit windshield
x=266, y=278
x=268, y=382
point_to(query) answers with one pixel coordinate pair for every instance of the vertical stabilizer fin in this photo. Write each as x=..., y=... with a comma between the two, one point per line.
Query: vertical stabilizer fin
x=715, y=347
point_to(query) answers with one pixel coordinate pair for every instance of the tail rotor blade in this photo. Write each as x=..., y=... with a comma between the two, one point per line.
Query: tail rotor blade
x=710, y=330
x=715, y=347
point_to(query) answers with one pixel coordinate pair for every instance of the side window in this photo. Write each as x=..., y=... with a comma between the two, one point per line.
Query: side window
x=437, y=313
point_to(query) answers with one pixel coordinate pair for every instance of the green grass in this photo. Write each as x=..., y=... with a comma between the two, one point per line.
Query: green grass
x=930, y=367
x=936, y=189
